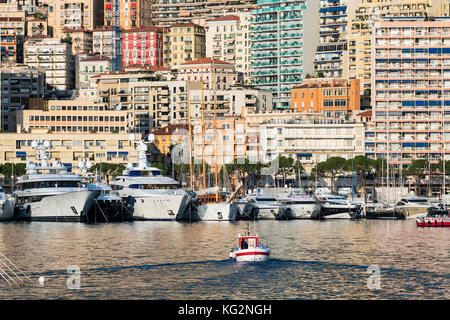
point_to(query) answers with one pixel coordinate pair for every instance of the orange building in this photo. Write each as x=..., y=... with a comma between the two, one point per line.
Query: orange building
x=333, y=97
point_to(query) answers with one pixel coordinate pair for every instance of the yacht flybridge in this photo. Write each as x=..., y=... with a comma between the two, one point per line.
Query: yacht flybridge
x=48, y=192
x=154, y=196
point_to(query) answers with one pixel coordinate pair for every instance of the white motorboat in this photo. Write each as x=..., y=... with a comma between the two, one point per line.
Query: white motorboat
x=302, y=206
x=48, y=192
x=6, y=206
x=336, y=207
x=414, y=207
x=250, y=248
x=154, y=196
x=265, y=207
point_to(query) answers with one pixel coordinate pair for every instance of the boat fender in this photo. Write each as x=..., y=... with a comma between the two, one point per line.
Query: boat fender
x=28, y=209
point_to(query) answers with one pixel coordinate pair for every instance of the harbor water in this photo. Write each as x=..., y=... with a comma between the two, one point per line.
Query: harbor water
x=171, y=260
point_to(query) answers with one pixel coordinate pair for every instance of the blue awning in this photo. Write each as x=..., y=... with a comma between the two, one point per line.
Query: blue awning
x=21, y=154
x=301, y=155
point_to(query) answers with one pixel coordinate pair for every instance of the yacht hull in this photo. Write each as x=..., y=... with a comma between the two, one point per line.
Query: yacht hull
x=413, y=212
x=303, y=211
x=6, y=209
x=222, y=211
x=269, y=213
x=160, y=207
x=64, y=207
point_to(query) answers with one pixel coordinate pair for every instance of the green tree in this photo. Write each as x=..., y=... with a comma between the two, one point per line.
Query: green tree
x=333, y=167
x=107, y=169
x=285, y=167
x=244, y=171
x=67, y=39
x=8, y=171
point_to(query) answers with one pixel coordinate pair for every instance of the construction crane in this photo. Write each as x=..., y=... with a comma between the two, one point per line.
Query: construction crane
x=116, y=38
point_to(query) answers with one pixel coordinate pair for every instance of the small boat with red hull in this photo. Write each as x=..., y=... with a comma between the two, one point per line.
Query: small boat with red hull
x=434, y=218
x=250, y=248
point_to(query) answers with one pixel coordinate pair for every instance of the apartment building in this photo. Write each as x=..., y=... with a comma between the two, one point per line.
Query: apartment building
x=234, y=101
x=133, y=13
x=165, y=139
x=55, y=57
x=81, y=40
x=331, y=59
x=213, y=74
x=311, y=141
x=102, y=41
x=12, y=35
x=19, y=83
x=333, y=98
x=411, y=90
x=165, y=13
x=147, y=100
x=367, y=12
x=69, y=148
x=228, y=39
x=76, y=116
x=142, y=46
x=73, y=14
x=88, y=66
x=183, y=42
x=219, y=141
x=281, y=51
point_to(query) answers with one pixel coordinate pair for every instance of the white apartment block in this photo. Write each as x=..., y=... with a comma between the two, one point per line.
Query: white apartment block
x=228, y=39
x=55, y=57
x=310, y=142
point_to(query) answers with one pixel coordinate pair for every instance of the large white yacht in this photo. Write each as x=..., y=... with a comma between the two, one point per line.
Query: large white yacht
x=154, y=196
x=6, y=206
x=336, y=207
x=303, y=206
x=48, y=192
x=413, y=207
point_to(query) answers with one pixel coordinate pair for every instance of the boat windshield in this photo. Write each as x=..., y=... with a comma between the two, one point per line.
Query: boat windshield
x=153, y=186
x=417, y=200
x=144, y=173
x=265, y=199
x=48, y=184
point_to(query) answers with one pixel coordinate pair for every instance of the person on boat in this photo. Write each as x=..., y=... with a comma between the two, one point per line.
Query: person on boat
x=244, y=244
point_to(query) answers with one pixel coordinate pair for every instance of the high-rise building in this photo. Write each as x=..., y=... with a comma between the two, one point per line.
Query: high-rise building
x=142, y=46
x=228, y=39
x=12, y=30
x=74, y=14
x=165, y=13
x=133, y=13
x=411, y=89
x=55, y=57
x=183, y=42
x=366, y=14
x=282, y=52
x=19, y=83
x=331, y=59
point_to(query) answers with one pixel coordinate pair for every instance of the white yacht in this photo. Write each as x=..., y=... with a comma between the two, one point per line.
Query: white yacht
x=336, y=207
x=48, y=192
x=154, y=196
x=6, y=206
x=413, y=207
x=303, y=206
x=265, y=207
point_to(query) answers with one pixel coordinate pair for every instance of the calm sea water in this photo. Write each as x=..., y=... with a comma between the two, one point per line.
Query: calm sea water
x=171, y=260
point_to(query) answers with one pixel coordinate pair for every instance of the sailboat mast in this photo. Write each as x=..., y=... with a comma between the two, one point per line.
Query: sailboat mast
x=203, y=132
x=190, y=139
x=215, y=132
